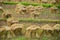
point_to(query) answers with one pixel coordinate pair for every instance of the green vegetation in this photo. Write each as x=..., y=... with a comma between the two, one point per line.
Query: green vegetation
x=1, y=11
x=18, y=38
x=11, y=3
x=26, y=3
x=34, y=20
x=58, y=6
x=34, y=4
x=23, y=38
x=38, y=20
x=2, y=19
x=47, y=5
x=43, y=38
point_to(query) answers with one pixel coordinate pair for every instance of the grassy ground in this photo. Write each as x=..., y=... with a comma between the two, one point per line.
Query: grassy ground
x=23, y=38
x=43, y=38
x=34, y=4
x=38, y=20
x=34, y=20
x=19, y=38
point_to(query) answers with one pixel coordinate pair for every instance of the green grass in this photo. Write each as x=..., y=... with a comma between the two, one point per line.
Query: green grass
x=34, y=4
x=38, y=20
x=34, y=20
x=43, y=38
x=1, y=11
x=2, y=19
x=11, y=3
x=18, y=38
x=23, y=38
x=47, y=5
x=58, y=6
